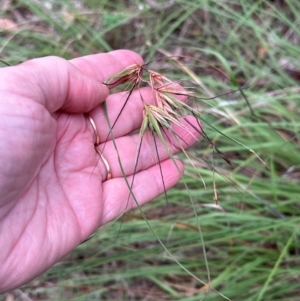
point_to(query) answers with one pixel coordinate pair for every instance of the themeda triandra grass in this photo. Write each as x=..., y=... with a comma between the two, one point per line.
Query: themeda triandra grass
x=170, y=109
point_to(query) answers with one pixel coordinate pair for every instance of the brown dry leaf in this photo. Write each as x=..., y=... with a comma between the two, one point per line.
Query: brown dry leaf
x=7, y=24
x=68, y=17
x=262, y=51
x=190, y=291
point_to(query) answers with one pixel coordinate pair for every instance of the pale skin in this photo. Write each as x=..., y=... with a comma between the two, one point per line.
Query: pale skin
x=53, y=188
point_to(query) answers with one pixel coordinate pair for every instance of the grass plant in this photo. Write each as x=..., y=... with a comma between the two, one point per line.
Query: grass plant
x=243, y=84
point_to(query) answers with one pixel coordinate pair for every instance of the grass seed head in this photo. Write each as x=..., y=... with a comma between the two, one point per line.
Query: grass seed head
x=132, y=73
x=157, y=78
x=167, y=100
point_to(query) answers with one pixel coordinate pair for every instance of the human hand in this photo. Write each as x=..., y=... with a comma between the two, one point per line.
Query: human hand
x=53, y=192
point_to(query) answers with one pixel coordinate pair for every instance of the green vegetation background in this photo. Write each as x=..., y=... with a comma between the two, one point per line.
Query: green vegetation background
x=252, y=243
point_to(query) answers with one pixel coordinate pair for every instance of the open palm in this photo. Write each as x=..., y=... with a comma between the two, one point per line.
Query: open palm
x=53, y=186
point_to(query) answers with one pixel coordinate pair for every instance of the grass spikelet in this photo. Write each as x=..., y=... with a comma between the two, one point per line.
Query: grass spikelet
x=132, y=74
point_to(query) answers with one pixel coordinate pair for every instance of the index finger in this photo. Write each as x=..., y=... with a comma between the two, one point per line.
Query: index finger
x=104, y=65
x=74, y=86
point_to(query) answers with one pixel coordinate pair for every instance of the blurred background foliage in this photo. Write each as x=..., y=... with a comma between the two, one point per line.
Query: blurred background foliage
x=248, y=247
